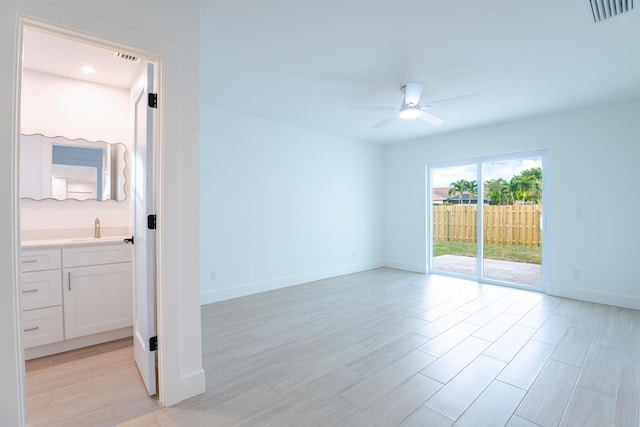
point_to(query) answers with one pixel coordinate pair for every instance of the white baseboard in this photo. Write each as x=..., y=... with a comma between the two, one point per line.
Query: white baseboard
x=399, y=265
x=76, y=343
x=617, y=300
x=192, y=384
x=283, y=282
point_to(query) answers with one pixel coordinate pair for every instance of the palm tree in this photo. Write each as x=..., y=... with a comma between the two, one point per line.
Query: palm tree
x=458, y=188
x=472, y=188
x=527, y=186
x=497, y=191
x=518, y=187
x=506, y=195
x=523, y=186
x=533, y=177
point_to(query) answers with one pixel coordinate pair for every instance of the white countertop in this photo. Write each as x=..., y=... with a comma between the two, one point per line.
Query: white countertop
x=88, y=241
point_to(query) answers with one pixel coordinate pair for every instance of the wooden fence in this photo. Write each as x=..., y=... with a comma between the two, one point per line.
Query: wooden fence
x=517, y=225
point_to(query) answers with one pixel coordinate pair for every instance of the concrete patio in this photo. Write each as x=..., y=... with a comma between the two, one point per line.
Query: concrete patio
x=503, y=271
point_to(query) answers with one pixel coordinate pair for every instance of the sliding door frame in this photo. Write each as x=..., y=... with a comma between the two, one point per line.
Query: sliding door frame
x=479, y=161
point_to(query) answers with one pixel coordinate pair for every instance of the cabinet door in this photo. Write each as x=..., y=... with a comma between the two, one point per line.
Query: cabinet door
x=97, y=299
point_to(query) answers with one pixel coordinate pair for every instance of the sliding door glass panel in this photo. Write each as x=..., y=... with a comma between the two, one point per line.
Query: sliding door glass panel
x=511, y=218
x=455, y=220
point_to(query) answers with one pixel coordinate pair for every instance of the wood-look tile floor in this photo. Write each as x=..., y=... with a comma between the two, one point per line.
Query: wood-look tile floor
x=97, y=385
x=387, y=347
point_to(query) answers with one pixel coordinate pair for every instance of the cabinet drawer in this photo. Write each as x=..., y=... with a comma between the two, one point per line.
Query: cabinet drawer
x=41, y=289
x=44, y=259
x=94, y=255
x=42, y=326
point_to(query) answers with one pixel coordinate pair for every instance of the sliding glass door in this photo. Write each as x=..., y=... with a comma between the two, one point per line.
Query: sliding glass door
x=486, y=219
x=512, y=241
x=455, y=231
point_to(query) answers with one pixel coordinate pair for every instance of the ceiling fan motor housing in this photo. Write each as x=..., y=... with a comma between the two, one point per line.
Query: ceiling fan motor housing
x=412, y=92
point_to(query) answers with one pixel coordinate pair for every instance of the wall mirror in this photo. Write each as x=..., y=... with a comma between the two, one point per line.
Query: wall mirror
x=60, y=168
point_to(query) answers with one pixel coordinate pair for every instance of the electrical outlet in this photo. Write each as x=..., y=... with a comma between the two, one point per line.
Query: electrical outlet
x=212, y=275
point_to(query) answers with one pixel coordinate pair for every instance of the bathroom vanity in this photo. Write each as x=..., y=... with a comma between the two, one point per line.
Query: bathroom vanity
x=75, y=293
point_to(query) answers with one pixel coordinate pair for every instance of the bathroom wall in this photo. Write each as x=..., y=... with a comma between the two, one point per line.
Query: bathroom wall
x=58, y=106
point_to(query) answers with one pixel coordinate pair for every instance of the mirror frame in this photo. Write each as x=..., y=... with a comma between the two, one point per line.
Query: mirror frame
x=116, y=172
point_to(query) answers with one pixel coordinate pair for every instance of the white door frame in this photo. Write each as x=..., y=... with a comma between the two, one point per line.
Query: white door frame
x=157, y=141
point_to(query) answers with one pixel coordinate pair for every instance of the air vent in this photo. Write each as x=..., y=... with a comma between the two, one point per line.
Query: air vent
x=605, y=9
x=126, y=56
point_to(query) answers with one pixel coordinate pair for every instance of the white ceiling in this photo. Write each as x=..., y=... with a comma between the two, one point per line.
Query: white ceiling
x=62, y=57
x=306, y=62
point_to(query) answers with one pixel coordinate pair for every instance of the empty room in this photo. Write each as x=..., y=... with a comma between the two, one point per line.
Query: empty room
x=416, y=213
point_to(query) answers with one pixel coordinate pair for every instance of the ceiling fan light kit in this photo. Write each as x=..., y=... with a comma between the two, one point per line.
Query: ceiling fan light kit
x=412, y=109
x=409, y=113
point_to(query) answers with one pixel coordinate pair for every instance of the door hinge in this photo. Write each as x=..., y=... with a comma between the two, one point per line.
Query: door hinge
x=153, y=100
x=151, y=222
x=153, y=343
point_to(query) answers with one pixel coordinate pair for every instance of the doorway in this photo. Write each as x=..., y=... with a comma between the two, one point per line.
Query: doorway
x=485, y=219
x=83, y=91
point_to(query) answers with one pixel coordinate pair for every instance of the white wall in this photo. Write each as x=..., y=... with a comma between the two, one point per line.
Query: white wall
x=592, y=158
x=170, y=29
x=58, y=106
x=282, y=205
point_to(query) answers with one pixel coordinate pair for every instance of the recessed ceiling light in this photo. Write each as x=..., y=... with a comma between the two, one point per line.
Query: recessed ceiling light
x=87, y=69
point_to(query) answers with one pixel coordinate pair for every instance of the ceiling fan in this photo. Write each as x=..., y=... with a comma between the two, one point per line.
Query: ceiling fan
x=411, y=107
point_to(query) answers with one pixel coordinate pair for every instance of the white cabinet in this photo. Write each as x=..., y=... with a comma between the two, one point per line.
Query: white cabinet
x=41, y=289
x=42, y=326
x=40, y=284
x=97, y=288
x=95, y=255
x=40, y=259
x=73, y=291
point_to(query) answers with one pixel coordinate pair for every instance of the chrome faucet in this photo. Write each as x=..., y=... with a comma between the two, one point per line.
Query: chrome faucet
x=96, y=228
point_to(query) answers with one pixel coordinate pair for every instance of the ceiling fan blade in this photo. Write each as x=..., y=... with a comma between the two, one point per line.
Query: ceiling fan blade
x=430, y=118
x=448, y=100
x=373, y=108
x=385, y=121
x=412, y=93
